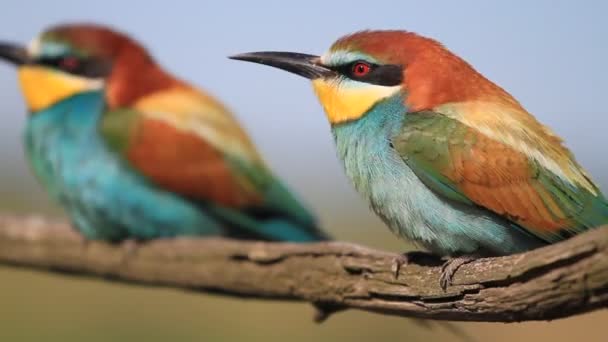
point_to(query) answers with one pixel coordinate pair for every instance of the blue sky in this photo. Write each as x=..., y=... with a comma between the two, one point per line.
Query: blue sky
x=551, y=55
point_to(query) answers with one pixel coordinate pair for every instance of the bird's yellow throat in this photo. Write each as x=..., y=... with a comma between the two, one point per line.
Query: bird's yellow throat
x=43, y=87
x=343, y=103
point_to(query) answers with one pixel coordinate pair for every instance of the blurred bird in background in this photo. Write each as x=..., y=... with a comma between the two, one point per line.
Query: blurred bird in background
x=445, y=157
x=132, y=152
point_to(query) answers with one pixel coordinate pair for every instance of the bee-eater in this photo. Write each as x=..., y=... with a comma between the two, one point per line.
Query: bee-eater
x=444, y=156
x=133, y=153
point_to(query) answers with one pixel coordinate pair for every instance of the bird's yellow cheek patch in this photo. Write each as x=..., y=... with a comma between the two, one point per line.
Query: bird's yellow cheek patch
x=43, y=87
x=343, y=103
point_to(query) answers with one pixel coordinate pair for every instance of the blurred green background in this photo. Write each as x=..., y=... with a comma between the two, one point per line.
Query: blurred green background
x=550, y=54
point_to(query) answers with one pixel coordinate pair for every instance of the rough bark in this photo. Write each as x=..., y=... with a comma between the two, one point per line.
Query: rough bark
x=553, y=282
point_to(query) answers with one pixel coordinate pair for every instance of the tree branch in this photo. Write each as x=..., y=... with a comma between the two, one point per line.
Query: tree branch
x=553, y=282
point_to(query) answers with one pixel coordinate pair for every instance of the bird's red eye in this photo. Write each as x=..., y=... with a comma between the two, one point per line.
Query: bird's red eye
x=361, y=69
x=69, y=63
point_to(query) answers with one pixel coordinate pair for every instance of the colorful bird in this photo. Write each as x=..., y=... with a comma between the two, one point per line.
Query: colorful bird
x=132, y=152
x=444, y=156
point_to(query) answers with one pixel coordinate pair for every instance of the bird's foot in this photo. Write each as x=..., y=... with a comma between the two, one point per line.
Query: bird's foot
x=449, y=268
x=398, y=262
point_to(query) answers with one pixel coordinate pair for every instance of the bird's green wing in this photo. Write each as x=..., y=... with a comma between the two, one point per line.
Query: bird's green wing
x=186, y=142
x=465, y=165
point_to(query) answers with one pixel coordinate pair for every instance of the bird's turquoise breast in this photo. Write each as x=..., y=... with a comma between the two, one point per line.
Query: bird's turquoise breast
x=102, y=196
x=407, y=206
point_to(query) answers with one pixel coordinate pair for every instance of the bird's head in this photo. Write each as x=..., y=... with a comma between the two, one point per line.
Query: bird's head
x=365, y=68
x=70, y=59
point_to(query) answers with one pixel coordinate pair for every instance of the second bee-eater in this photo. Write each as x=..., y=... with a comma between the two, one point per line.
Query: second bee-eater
x=444, y=156
x=131, y=152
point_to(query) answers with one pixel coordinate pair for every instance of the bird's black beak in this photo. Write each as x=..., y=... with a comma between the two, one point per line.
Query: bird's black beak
x=308, y=66
x=14, y=54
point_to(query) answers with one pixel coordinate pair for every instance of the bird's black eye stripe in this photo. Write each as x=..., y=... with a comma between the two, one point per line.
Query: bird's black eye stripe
x=385, y=75
x=87, y=67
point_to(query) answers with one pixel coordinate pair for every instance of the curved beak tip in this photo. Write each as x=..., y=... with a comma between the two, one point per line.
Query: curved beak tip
x=241, y=57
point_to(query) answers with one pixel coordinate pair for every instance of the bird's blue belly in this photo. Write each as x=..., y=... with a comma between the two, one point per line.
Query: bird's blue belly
x=103, y=197
x=407, y=206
